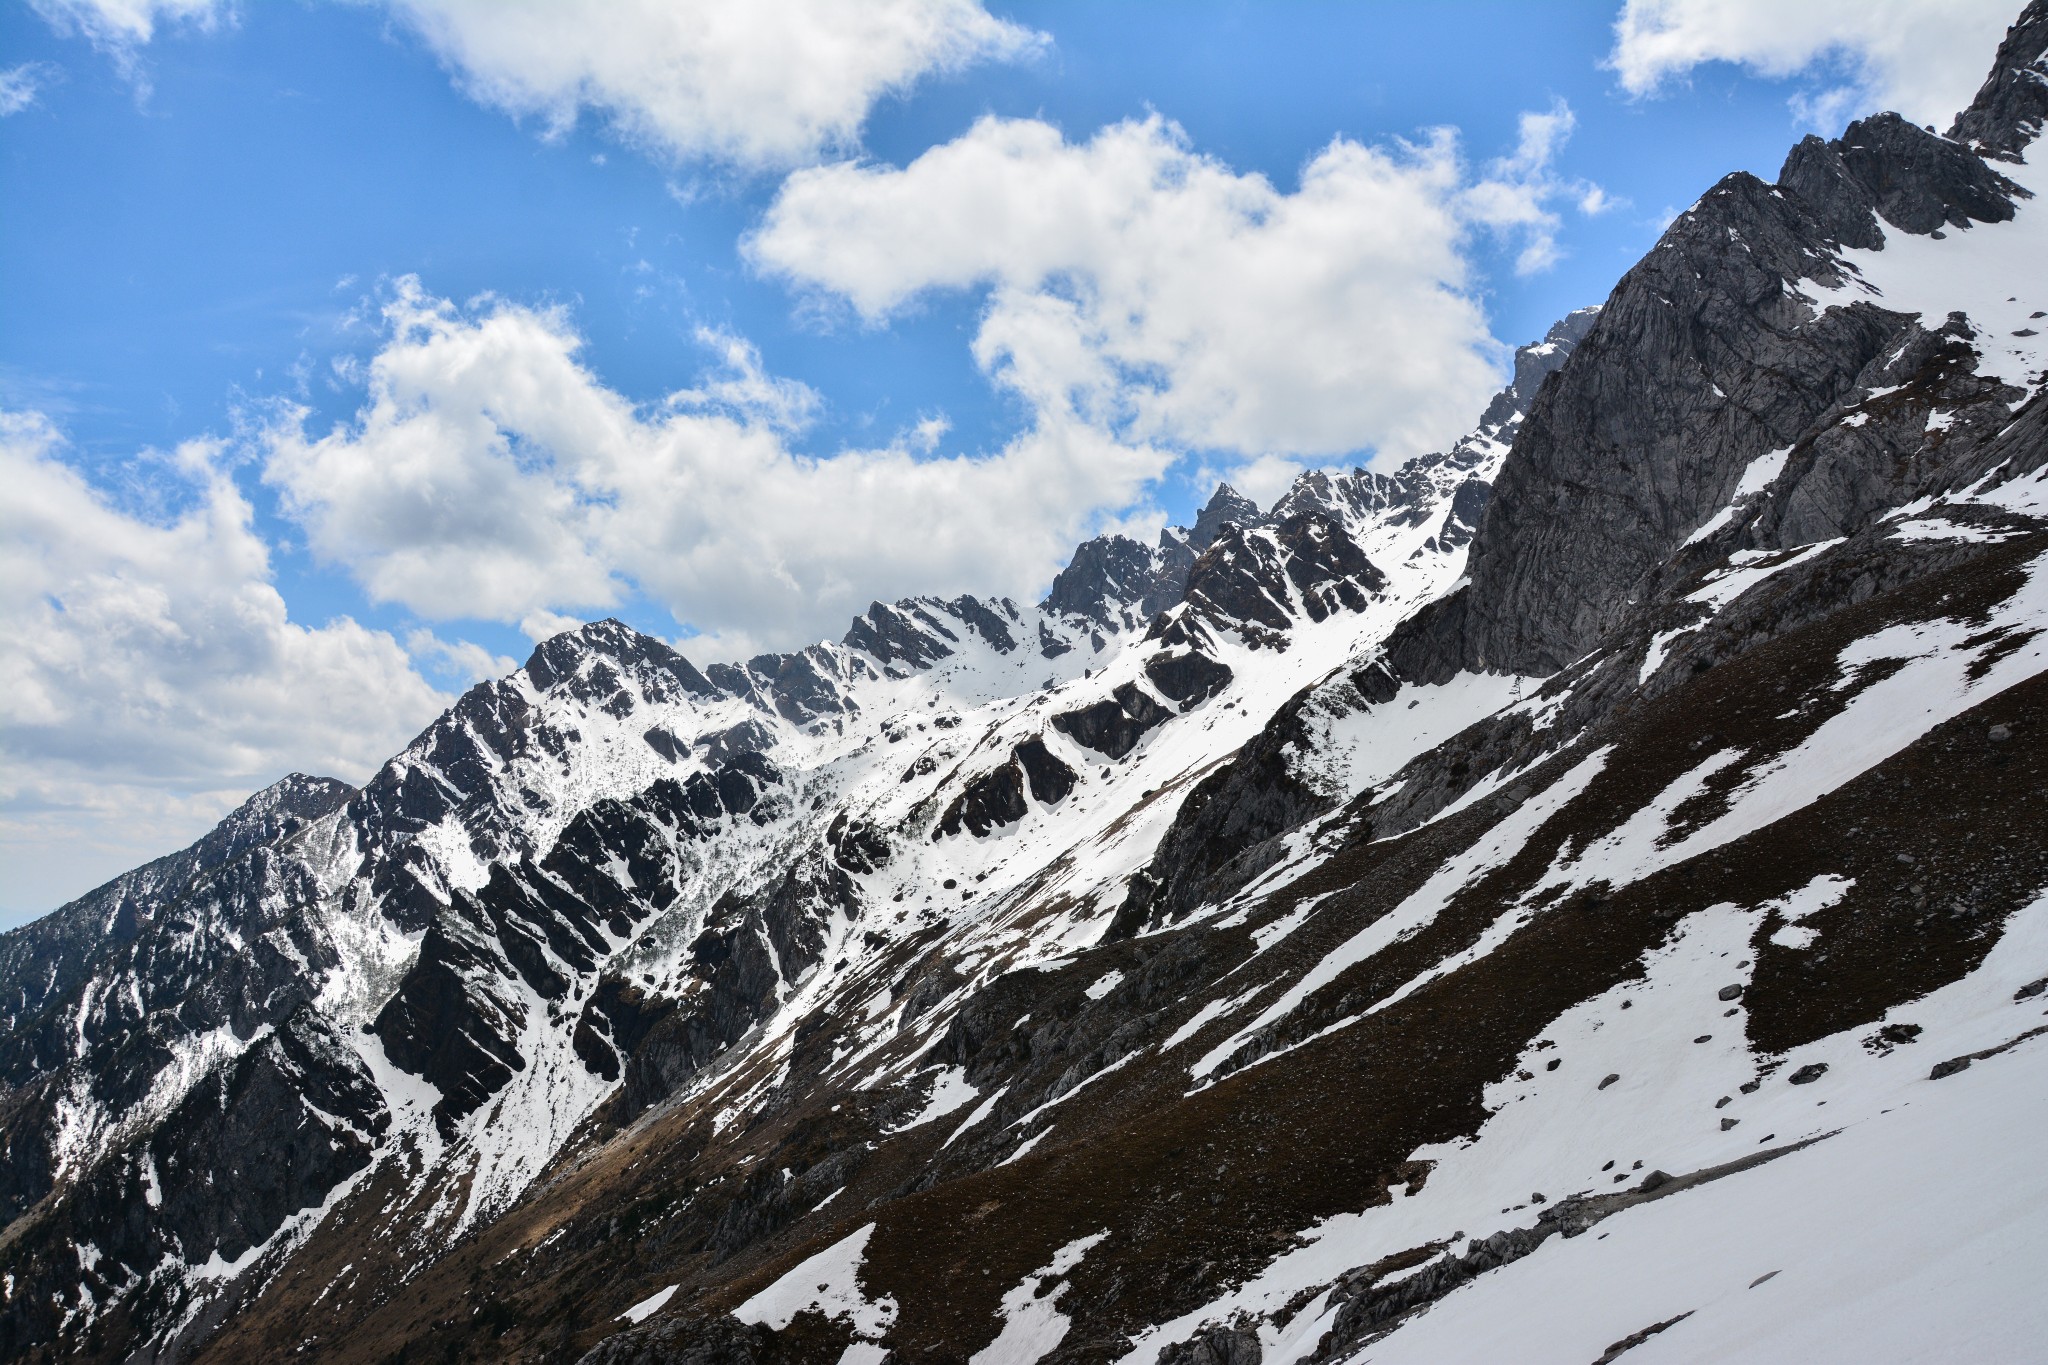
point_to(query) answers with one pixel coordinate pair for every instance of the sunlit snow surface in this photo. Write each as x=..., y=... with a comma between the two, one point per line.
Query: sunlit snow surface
x=1033, y=1324
x=1923, y=1185
x=828, y=1283
x=1992, y=272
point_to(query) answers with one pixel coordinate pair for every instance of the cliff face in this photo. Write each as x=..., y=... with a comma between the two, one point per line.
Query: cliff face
x=1712, y=354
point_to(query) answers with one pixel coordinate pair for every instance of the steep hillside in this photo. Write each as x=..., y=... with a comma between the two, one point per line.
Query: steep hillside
x=1585, y=893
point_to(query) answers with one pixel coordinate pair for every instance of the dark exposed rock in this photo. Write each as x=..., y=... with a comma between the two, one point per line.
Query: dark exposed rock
x=1050, y=778
x=751, y=946
x=1635, y=1339
x=2010, y=108
x=1703, y=359
x=1962, y=1063
x=1226, y=507
x=1254, y=576
x=1376, y=1298
x=1232, y=1345
x=722, y=746
x=1886, y=168
x=449, y=1024
x=1107, y=574
x=1114, y=725
x=257, y=1140
x=719, y=1339
x=858, y=846
x=896, y=635
x=587, y=663
x=44, y=962
x=994, y=798
x=1223, y=835
x=1187, y=677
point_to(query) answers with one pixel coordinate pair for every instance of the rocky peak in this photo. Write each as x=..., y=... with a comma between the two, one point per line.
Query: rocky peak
x=1707, y=356
x=1535, y=363
x=1225, y=507
x=1106, y=575
x=280, y=809
x=2012, y=105
x=589, y=661
x=1886, y=168
x=917, y=632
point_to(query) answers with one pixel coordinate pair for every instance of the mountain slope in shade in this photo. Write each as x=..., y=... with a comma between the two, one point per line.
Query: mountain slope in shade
x=1584, y=894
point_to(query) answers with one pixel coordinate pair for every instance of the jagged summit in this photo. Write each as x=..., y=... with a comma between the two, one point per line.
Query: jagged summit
x=1114, y=581
x=1709, y=355
x=1225, y=507
x=2011, y=106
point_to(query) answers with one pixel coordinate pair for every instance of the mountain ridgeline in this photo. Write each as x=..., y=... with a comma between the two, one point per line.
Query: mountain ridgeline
x=1444, y=915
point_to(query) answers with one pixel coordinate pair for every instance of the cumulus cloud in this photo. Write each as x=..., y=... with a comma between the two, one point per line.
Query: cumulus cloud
x=489, y=473
x=1157, y=292
x=152, y=677
x=747, y=82
x=1923, y=58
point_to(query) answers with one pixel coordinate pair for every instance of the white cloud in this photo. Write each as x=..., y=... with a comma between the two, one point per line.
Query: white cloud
x=1145, y=302
x=1924, y=58
x=124, y=25
x=748, y=82
x=489, y=474
x=152, y=678
x=1515, y=194
x=19, y=86
x=462, y=660
x=1156, y=292
x=122, y=28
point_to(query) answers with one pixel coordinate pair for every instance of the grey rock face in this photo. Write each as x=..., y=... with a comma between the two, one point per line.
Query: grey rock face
x=254, y=1144
x=1115, y=581
x=213, y=936
x=1886, y=168
x=2012, y=105
x=44, y=962
x=1223, y=834
x=1226, y=507
x=1106, y=573
x=1234, y=1345
x=1187, y=677
x=1704, y=358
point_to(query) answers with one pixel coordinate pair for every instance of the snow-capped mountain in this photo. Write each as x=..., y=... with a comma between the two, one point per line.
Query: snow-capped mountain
x=1583, y=893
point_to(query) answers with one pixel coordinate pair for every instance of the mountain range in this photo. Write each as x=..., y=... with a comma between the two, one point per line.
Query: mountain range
x=1582, y=894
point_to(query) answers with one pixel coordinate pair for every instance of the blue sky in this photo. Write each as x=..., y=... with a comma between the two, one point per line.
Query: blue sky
x=227, y=225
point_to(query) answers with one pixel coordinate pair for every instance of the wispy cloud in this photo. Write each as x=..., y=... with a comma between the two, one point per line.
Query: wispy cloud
x=19, y=86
